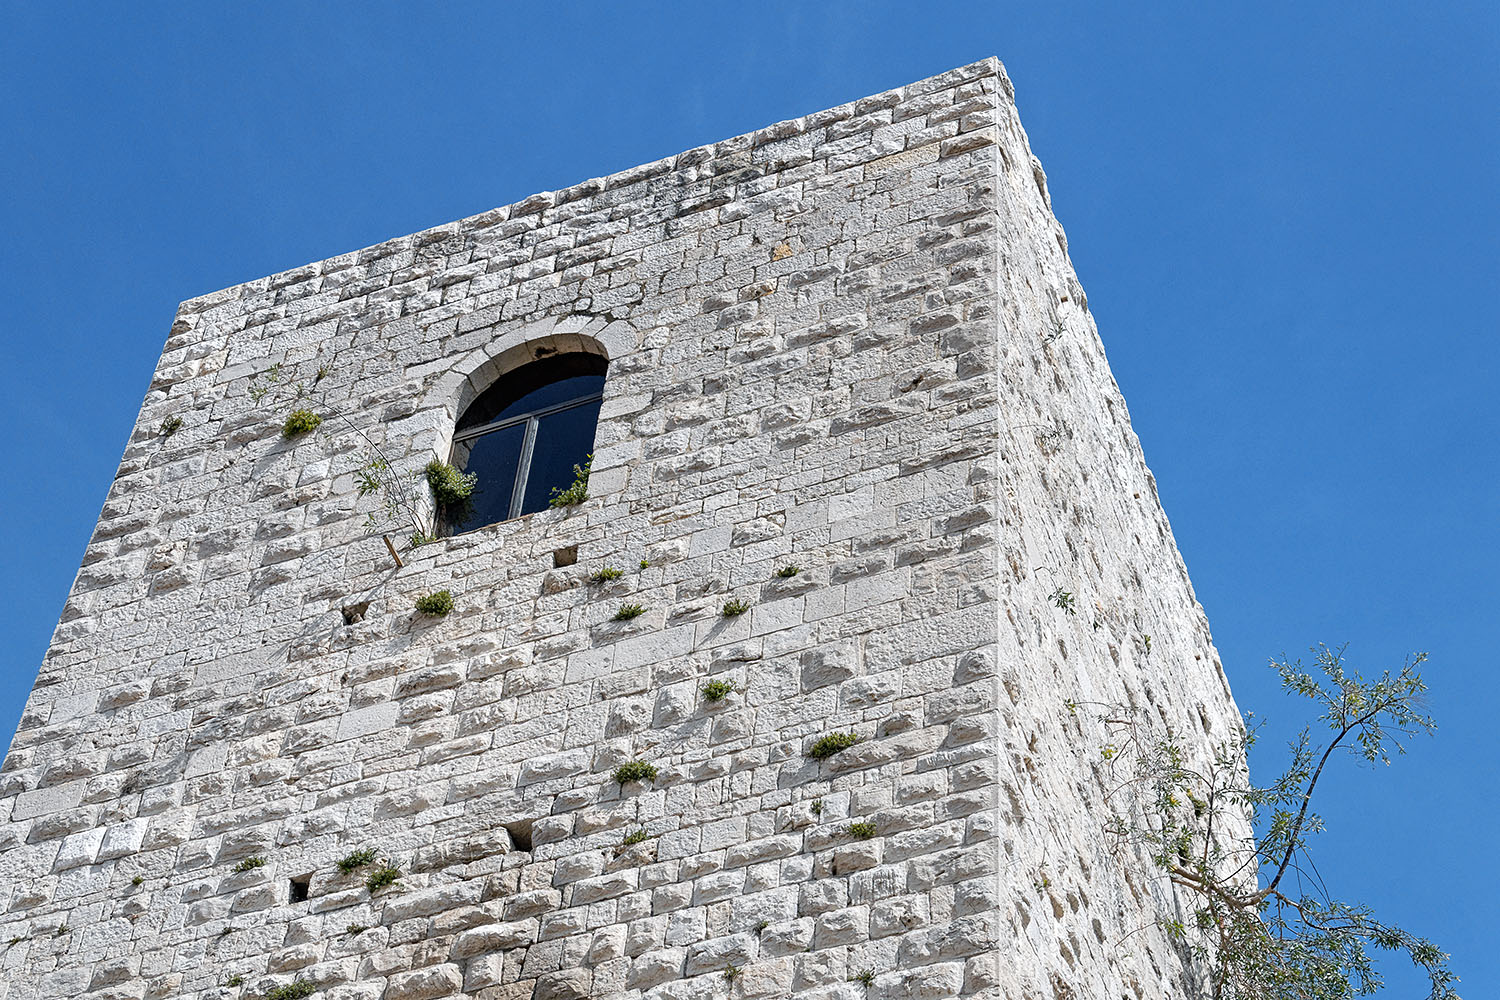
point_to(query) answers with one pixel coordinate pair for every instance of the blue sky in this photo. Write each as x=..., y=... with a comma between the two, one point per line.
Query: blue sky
x=1284, y=215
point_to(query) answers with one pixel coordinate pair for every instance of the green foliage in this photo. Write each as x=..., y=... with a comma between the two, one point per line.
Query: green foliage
x=1258, y=936
x=635, y=770
x=369, y=477
x=629, y=611
x=578, y=492
x=731, y=972
x=384, y=875
x=788, y=571
x=355, y=860
x=1063, y=599
x=865, y=977
x=436, y=604
x=605, y=575
x=717, y=691
x=235, y=980
x=862, y=831
x=645, y=564
x=354, y=930
x=761, y=925
x=735, y=608
x=170, y=425
x=300, y=422
x=635, y=837
x=451, y=488
x=827, y=746
x=292, y=991
x=249, y=865
x=817, y=807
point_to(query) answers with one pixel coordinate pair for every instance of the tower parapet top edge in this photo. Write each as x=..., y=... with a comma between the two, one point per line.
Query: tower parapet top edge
x=543, y=201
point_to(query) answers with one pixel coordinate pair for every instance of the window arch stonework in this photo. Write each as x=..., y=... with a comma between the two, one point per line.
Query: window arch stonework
x=526, y=389
x=524, y=435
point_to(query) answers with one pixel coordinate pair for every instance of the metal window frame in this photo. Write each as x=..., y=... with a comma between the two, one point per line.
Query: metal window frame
x=532, y=419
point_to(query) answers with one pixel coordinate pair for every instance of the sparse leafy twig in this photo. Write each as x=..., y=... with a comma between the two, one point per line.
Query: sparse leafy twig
x=1259, y=939
x=399, y=507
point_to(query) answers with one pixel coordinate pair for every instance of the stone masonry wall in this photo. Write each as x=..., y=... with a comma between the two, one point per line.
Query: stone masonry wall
x=851, y=342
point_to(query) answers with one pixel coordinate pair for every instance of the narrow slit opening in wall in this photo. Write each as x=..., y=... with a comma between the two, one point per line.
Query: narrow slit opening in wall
x=520, y=835
x=297, y=892
x=564, y=557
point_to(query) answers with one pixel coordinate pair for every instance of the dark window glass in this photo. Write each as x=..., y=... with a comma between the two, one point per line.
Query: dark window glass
x=523, y=435
x=495, y=457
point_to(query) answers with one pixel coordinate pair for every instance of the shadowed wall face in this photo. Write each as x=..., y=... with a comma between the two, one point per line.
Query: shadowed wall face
x=856, y=425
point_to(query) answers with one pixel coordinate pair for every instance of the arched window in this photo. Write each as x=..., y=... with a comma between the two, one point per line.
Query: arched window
x=523, y=435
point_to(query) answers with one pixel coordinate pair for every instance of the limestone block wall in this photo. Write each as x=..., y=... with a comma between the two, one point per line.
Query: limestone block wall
x=851, y=342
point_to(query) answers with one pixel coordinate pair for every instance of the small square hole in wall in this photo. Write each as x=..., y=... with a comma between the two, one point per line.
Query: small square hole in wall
x=520, y=835
x=297, y=893
x=355, y=613
x=564, y=557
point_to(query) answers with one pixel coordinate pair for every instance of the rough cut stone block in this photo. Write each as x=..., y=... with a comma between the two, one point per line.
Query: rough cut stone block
x=122, y=839
x=79, y=849
x=425, y=984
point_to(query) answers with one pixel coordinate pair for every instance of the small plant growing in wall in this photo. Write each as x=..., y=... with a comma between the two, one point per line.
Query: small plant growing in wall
x=735, y=608
x=235, y=980
x=629, y=611
x=436, y=604
x=635, y=837
x=249, y=865
x=1063, y=600
x=645, y=564
x=761, y=925
x=576, y=493
x=291, y=991
x=355, y=860
x=731, y=973
x=385, y=874
x=788, y=571
x=171, y=425
x=138, y=880
x=716, y=691
x=861, y=831
x=865, y=977
x=635, y=770
x=355, y=930
x=605, y=575
x=300, y=422
x=452, y=489
x=833, y=743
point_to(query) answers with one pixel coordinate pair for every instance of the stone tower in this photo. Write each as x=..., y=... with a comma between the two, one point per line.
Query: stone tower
x=850, y=344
